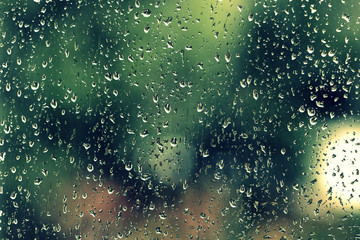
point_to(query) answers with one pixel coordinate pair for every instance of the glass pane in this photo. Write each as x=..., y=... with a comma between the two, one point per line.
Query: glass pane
x=216, y=119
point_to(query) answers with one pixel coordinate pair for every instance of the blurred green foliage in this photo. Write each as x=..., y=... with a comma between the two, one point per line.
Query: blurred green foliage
x=244, y=88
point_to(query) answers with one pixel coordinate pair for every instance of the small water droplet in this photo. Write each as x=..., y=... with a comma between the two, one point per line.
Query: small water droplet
x=146, y=13
x=45, y=172
x=162, y=215
x=90, y=167
x=144, y=133
x=38, y=181
x=182, y=84
x=8, y=87
x=346, y=17
x=313, y=120
x=255, y=94
x=74, y=97
x=53, y=103
x=227, y=57
x=86, y=146
x=310, y=49
x=128, y=166
x=155, y=98
x=110, y=190
x=185, y=184
x=13, y=195
x=108, y=76
x=151, y=206
x=221, y=164
x=331, y=53
x=167, y=108
x=34, y=85
x=232, y=203
x=92, y=213
x=137, y=3
x=67, y=53
x=173, y=142
x=200, y=107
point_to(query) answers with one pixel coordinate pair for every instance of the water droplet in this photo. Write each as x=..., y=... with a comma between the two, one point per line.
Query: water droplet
x=151, y=206
x=162, y=215
x=53, y=103
x=110, y=190
x=232, y=203
x=313, y=120
x=227, y=57
x=146, y=13
x=146, y=29
x=331, y=53
x=90, y=167
x=332, y=115
x=131, y=58
x=221, y=164
x=188, y=47
x=255, y=94
x=137, y=3
x=108, y=76
x=226, y=122
x=128, y=166
x=38, y=181
x=2, y=156
x=302, y=109
x=34, y=85
x=167, y=108
x=155, y=98
x=182, y=84
x=67, y=53
x=144, y=133
x=310, y=49
x=8, y=87
x=86, y=146
x=173, y=142
x=92, y=213
x=346, y=17
x=251, y=17
x=185, y=184
x=311, y=112
x=44, y=172
x=200, y=107
x=13, y=195
x=74, y=97
x=205, y=153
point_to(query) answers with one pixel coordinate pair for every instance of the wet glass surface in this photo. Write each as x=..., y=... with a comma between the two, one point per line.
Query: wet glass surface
x=184, y=119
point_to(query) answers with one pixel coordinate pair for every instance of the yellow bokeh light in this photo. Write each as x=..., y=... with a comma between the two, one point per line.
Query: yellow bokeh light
x=333, y=182
x=340, y=173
